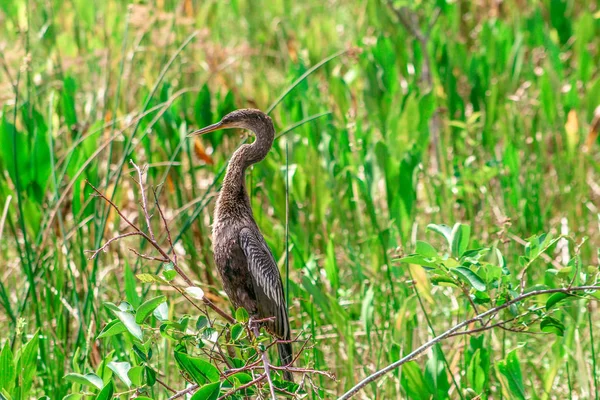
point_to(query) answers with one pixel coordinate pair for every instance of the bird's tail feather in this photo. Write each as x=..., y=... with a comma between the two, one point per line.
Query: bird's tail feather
x=286, y=356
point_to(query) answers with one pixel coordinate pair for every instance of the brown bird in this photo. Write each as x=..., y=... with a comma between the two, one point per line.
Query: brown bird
x=248, y=270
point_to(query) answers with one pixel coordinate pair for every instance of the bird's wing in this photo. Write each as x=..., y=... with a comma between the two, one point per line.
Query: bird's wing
x=266, y=281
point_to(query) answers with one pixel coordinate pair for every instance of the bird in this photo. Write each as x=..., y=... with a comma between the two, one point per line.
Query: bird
x=245, y=263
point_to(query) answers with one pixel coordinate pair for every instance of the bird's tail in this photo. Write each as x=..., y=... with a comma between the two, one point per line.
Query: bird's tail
x=286, y=356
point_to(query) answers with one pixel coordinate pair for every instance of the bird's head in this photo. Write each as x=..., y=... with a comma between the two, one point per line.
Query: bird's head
x=246, y=118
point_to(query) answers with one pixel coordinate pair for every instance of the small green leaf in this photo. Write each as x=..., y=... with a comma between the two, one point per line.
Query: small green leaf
x=161, y=312
x=147, y=308
x=425, y=249
x=417, y=259
x=129, y=321
x=130, y=292
x=555, y=299
x=150, y=278
x=236, y=332
x=202, y=322
x=552, y=325
x=121, y=369
x=150, y=376
x=114, y=327
x=511, y=369
x=200, y=370
x=169, y=272
x=470, y=277
x=7, y=366
x=195, y=292
x=136, y=375
x=208, y=392
x=241, y=315
x=107, y=392
x=443, y=230
x=460, y=239
x=86, y=380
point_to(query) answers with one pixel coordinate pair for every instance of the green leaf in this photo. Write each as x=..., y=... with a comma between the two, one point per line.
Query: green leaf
x=443, y=230
x=195, y=292
x=150, y=278
x=107, y=392
x=26, y=360
x=128, y=320
x=470, y=277
x=86, y=380
x=7, y=366
x=413, y=382
x=241, y=315
x=511, y=369
x=554, y=299
x=147, y=308
x=236, y=332
x=162, y=312
x=418, y=260
x=460, y=239
x=169, y=272
x=136, y=375
x=130, y=293
x=200, y=370
x=121, y=369
x=114, y=327
x=425, y=249
x=552, y=325
x=208, y=392
x=202, y=322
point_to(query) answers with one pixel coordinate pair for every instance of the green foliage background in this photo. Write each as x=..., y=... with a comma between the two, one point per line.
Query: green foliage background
x=85, y=86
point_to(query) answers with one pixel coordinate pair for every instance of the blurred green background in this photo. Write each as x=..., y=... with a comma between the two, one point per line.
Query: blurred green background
x=404, y=114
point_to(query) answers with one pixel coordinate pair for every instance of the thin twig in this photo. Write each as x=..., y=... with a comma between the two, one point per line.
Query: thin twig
x=266, y=364
x=185, y=391
x=412, y=355
x=147, y=257
x=105, y=246
x=141, y=172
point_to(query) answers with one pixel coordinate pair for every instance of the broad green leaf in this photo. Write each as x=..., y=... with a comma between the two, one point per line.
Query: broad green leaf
x=150, y=278
x=511, y=369
x=443, y=230
x=114, y=327
x=107, y=392
x=418, y=260
x=203, y=321
x=130, y=293
x=7, y=366
x=241, y=315
x=413, y=382
x=161, y=312
x=425, y=249
x=86, y=380
x=470, y=277
x=460, y=239
x=195, y=292
x=552, y=325
x=128, y=320
x=200, y=370
x=208, y=392
x=236, y=332
x=147, y=308
x=555, y=299
x=121, y=369
x=136, y=375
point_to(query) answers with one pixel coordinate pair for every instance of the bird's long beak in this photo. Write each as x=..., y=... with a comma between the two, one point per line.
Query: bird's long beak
x=210, y=128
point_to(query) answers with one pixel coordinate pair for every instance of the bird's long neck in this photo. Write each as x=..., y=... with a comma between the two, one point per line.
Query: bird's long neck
x=234, y=191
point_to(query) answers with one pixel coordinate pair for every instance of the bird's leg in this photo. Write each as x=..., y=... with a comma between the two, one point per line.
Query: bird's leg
x=254, y=326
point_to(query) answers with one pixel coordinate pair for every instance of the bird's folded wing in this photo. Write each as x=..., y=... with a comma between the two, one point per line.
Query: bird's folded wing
x=266, y=281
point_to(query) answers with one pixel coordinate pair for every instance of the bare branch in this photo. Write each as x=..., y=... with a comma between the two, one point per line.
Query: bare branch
x=415, y=353
x=141, y=172
x=147, y=257
x=103, y=248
